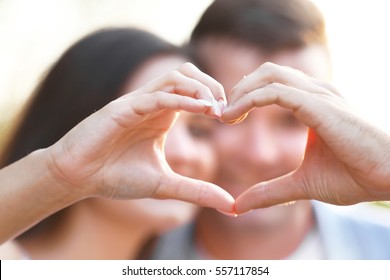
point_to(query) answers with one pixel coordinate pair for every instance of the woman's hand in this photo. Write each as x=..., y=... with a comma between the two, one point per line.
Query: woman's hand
x=118, y=152
x=347, y=160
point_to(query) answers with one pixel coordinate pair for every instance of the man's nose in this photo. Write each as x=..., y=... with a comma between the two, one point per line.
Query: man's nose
x=260, y=147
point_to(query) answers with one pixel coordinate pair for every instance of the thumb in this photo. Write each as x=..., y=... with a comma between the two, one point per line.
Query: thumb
x=281, y=190
x=195, y=191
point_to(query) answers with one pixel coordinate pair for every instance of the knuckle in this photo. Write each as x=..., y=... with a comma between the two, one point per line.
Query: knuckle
x=187, y=67
x=268, y=67
x=173, y=75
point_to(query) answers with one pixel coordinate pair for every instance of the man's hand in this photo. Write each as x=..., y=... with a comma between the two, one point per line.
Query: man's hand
x=347, y=160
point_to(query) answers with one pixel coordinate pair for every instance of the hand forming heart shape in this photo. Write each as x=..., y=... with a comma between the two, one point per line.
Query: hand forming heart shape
x=121, y=155
x=343, y=162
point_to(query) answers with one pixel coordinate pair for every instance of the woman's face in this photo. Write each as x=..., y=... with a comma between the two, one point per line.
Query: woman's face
x=188, y=152
x=188, y=148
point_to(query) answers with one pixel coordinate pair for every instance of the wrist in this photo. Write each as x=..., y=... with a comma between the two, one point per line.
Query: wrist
x=55, y=181
x=30, y=192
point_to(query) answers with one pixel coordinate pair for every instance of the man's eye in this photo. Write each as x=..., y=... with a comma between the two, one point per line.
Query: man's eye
x=199, y=131
x=289, y=120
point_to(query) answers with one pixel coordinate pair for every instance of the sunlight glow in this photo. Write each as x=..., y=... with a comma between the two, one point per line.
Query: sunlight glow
x=359, y=41
x=34, y=33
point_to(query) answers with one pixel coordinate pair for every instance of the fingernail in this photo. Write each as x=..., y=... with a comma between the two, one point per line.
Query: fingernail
x=222, y=101
x=222, y=104
x=217, y=108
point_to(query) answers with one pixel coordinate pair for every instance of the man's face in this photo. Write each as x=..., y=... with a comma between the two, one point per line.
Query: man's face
x=271, y=141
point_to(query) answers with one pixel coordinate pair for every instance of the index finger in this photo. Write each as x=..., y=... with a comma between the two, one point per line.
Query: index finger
x=190, y=70
x=269, y=73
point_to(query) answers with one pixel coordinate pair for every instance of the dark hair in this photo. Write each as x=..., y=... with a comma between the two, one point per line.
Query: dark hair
x=90, y=74
x=87, y=76
x=271, y=25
